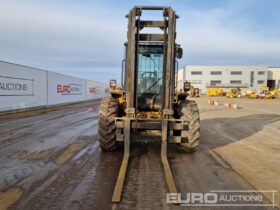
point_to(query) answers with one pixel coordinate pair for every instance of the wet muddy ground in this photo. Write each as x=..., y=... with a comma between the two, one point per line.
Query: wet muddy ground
x=50, y=159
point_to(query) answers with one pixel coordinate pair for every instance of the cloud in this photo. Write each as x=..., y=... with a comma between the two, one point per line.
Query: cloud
x=223, y=36
x=46, y=37
x=85, y=38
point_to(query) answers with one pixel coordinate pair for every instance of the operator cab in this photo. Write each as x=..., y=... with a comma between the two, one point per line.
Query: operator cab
x=149, y=74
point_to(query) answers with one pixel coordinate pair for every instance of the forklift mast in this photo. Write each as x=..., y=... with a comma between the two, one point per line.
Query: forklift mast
x=143, y=45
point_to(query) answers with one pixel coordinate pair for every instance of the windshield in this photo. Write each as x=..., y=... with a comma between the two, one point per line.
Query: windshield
x=149, y=73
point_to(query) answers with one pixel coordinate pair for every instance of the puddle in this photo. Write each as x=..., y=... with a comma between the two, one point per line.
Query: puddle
x=33, y=156
x=18, y=155
x=9, y=197
x=69, y=153
x=40, y=155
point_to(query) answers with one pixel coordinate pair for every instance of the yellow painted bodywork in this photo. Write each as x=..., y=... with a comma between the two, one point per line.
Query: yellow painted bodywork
x=149, y=115
x=252, y=95
x=266, y=94
x=116, y=91
x=231, y=94
x=121, y=100
x=264, y=88
x=215, y=92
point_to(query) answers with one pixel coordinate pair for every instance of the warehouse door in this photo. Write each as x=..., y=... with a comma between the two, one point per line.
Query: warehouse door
x=271, y=84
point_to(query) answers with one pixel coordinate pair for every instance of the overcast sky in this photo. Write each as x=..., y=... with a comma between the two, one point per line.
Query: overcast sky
x=85, y=38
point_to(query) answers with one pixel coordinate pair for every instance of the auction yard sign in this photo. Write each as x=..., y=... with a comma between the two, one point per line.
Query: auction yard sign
x=65, y=89
x=69, y=89
x=96, y=89
x=14, y=86
x=21, y=87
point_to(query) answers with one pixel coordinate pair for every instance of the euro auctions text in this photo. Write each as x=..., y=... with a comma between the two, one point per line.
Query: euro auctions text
x=222, y=198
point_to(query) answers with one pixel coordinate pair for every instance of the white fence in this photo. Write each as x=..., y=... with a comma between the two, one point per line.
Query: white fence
x=24, y=87
x=65, y=89
x=96, y=90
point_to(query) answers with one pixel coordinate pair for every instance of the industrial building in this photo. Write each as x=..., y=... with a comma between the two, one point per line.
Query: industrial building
x=226, y=77
x=273, y=77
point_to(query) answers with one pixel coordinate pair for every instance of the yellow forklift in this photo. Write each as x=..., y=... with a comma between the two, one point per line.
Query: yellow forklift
x=149, y=101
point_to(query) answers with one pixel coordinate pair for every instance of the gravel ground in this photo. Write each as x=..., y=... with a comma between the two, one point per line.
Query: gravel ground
x=50, y=159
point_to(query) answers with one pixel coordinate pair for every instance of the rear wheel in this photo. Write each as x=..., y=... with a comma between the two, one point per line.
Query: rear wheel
x=106, y=127
x=188, y=110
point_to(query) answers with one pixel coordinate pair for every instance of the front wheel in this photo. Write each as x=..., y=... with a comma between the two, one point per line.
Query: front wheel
x=188, y=111
x=106, y=126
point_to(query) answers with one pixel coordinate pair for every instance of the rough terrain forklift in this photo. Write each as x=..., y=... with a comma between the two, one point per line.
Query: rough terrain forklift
x=194, y=92
x=266, y=93
x=149, y=104
x=234, y=93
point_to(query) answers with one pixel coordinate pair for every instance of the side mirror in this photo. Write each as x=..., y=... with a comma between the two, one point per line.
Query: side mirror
x=179, y=52
x=187, y=86
x=113, y=83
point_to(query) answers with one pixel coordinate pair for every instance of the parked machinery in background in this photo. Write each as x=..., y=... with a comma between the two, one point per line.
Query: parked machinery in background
x=187, y=86
x=193, y=92
x=277, y=93
x=234, y=93
x=215, y=92
x=115, y=89
x=266, y=93
x=250, y=94
x=113, y=84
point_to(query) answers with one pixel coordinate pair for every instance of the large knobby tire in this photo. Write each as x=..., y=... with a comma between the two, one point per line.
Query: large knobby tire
x=188, y=110
x=106, y=126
